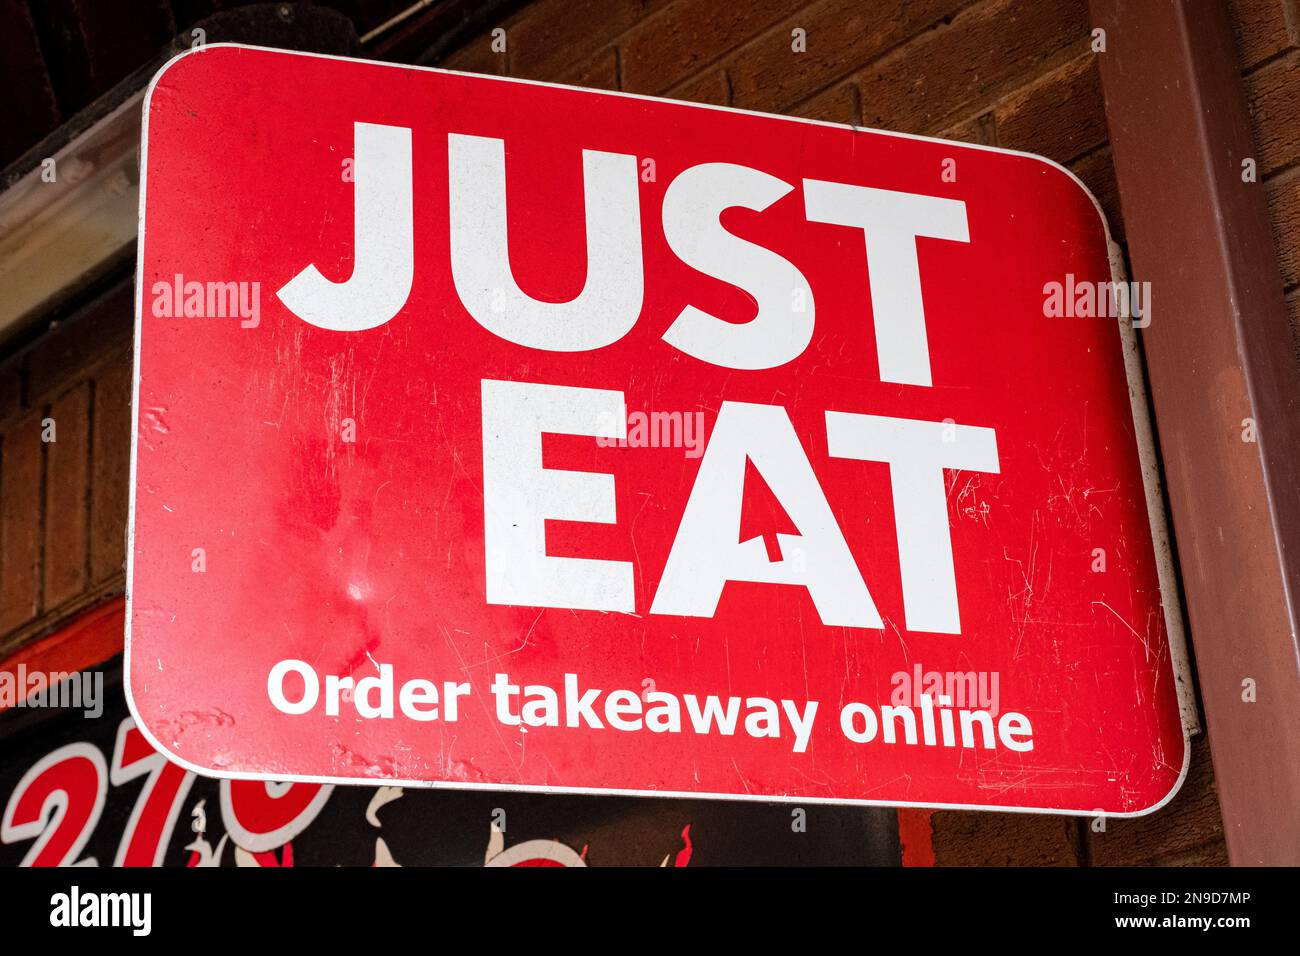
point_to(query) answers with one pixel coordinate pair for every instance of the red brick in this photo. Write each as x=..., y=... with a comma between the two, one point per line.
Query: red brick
x=1262, y=29
x=1185, y=830
x=1274, y=96
x=1211, y=854
x=1293, y=313
x=1097, y=170
x=22, y=459
x=598, y=73
x=839, y=104
x=67, y=489
x=982, y=53
x=1284, y=206
x=1003, y=839
x=688, y=34
x=842, y=36
x=551, y=35
x=712, y=86
x=110, y=469
x=1061, y=115
x=977, y=129
x=477, y=56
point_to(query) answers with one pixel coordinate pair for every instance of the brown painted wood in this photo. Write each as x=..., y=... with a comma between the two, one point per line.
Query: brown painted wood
x=1219, y=361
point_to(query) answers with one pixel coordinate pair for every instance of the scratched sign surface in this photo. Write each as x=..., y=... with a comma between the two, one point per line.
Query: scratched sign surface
x=496, y=434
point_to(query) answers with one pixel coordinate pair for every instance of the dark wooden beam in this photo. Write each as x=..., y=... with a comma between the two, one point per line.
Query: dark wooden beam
x=1225, y=392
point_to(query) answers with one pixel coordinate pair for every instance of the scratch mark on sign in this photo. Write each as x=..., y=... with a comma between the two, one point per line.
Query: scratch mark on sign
x=1145, y=643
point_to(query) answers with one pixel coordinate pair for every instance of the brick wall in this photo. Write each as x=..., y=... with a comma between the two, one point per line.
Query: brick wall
x=1013, y=73
x=1268, y=44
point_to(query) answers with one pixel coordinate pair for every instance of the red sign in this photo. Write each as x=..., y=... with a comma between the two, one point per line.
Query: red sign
x=497, y=434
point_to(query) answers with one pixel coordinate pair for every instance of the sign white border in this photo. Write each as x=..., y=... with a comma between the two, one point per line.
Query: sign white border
x=1141, y=426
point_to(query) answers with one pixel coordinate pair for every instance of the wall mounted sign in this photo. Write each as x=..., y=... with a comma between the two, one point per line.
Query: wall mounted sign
x=502, y=435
